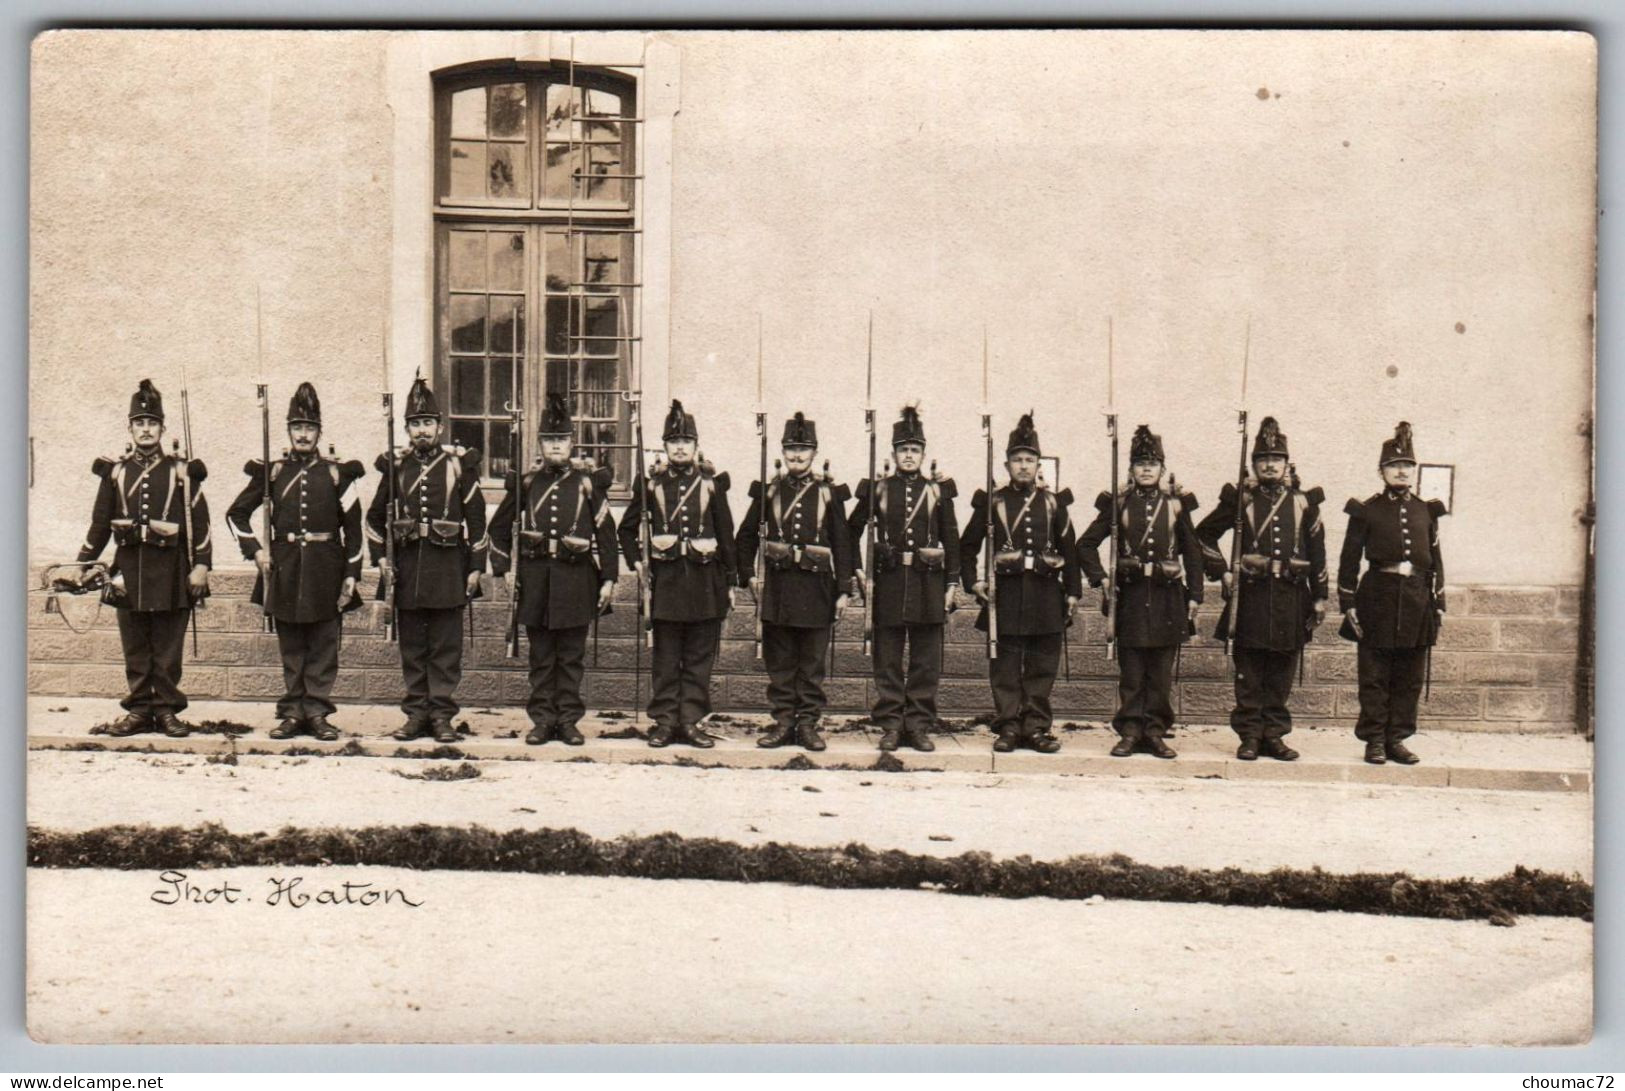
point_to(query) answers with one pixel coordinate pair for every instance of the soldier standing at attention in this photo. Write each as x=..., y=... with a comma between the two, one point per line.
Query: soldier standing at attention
x=1037, y=586
x=692, y=564
x=1159, y=581
x=915, y=568
x=807, y=555
x=1283, y=590
x=566, y=553
x=313, y=562
x=1395, y=609
x=440, y=551
x=141, y=504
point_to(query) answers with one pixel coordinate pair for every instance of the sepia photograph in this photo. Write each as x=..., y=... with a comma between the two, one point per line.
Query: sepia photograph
x=1024, y=537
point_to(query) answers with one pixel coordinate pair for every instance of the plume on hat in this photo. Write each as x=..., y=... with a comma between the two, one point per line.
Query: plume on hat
x=1402, y=433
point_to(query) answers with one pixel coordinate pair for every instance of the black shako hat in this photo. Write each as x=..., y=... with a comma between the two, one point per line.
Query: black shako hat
x=908, y=428
x=1400, y=448
x=420, y=401
x=799, y=432
x=147, y=402
x=305, y=407
x=1146, y=446
x=1270, y=440
x=556, y=419
x=1024, y=437
x=679, y=424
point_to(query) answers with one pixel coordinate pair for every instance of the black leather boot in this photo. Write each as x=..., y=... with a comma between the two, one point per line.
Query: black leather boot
x=777, y=735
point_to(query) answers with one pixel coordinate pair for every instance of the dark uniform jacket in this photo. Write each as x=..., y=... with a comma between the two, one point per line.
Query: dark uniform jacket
x=1396, y=608
x=439, y=525
x=916, y=546
x=808, y=552
x=1283, y=564
x=1035, y=551
x=692, y=557
x=1159, y=565
x=141, y=505
x=316, y=539
x=566, y=546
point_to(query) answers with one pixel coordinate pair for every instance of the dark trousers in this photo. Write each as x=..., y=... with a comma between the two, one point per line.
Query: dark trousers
x=153, y=641
x=795, y=673
x=680, y=671
x=1145, y=682
x=1023, y=675
x=558, y=659
x=431, y=661
x=1263, y=685
x=907, y=700
x=1390, y=687
x=310, y=666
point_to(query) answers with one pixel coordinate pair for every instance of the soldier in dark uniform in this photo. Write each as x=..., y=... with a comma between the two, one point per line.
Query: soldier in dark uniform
x=440, y=550
x=565, y=545
x=313, y=563
x=807, y=554
x=152, y=505
x=690, y=574
x=1283, y=590
x=1396, y=608
x=1036, y=587
x=1159, y=587
x=916, y=568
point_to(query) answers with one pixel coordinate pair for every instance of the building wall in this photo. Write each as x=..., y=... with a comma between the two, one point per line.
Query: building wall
x=1402, y=222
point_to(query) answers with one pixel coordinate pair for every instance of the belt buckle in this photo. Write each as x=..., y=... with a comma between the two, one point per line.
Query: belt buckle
x=1027, y=563
x=908, y=558
x=1150, y=569
x=423, y=529
x=797, y=554
x=1275, y=566
x=1405, y=568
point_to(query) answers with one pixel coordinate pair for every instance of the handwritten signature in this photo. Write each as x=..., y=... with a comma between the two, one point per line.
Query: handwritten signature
x=177, y=888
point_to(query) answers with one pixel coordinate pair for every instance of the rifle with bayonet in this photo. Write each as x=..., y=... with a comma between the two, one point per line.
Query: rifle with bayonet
x=760, y=582
x=646, y=622
x=989, y=577
x=194, y=603
x=516, y=459
x=386, y=585
x=1110, y=585
x=261, y=391
x=1239, y=529
x=873, y=501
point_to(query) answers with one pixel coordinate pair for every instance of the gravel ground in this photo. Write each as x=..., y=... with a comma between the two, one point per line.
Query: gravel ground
x=524, y=958
x=1342, y=828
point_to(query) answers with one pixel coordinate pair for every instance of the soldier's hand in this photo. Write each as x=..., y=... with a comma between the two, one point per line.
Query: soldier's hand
x=840, y=605
x=1191, y=609
x=1354, y=622
x=263, y=560
x=733, y=596
x=507, y=580
x=950, y=601
x=473, y=584
x=1227, y=581
x=386, y=572
x=1320, y=613
x=198, y=580
x=605, y=594
x=346, y=592
x=1071, y=604
x=979, y=589
x=756, y=587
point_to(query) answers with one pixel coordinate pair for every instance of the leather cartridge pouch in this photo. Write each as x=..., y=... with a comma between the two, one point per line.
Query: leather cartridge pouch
x=1255, y=564
x=1297, y=568
x=447, y=533
x=573, y=550
x=778, y=555
x=1009, y=562
x=930, y=558
x=703, y=550
x=817, y=559
x=663, y=547
x=405, y=529
x=1169, y=571
x=1051, y=561
x=1129, y=569
x=532, y=544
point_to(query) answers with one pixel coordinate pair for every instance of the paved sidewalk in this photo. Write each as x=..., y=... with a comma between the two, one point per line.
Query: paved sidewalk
x=1483, y=760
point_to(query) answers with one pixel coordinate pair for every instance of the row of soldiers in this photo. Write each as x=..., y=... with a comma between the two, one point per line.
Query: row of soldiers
x=798, y=551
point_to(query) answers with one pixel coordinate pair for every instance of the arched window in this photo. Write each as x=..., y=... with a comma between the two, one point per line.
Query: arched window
x=535, y=247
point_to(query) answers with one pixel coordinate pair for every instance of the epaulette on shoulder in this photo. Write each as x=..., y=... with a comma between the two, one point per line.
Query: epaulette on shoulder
x=946, y=488
x=1188, y=500
x=382, y=462
x=840, y=493
x=102, y=465
x=196, y=471
x=1355, y=508
x=1064, y=497
x=603, y=477
x=471, y=458
x=862, y=490
x=755, y=492
x=256, y=466
x=1103, y=502
x=1316, y=495
x=1227, y=493
x=351, y=469
x=1437, y=509
x=978, y=499
x=722, y=481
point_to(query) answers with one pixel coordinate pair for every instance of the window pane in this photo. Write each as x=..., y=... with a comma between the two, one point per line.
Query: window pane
x=601, y=103
x=558, y=261
x=507, y=261
x=466, y=262
x=557, y=344
x=498, y=452
x=501, y=387
x=507, y=171
x=603, y=316
x=603, y=159
x=467, y=385
x=503, y=316
x=467, y=323
x=602, y=256
x=468, y=433
x=560, y=164
x=467, y=168
x=558, y=377
x=508, y=110
x=561, y=107
x=468, y=114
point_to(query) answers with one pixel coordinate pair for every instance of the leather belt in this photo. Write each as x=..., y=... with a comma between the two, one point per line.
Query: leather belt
x=309, y=536
x=1403, y=568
